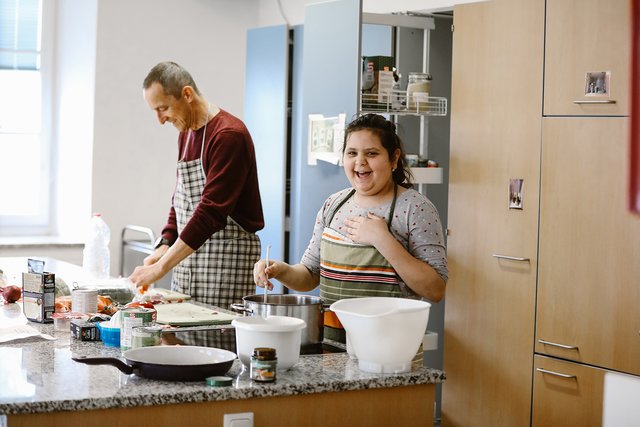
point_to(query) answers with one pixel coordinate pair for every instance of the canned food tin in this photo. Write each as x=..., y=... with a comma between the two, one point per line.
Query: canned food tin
x=146, y=336
x=132, y=317
x=84, y=300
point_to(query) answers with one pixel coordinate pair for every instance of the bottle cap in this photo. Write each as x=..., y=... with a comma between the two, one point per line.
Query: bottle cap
x=220, y=381
x=264, y=352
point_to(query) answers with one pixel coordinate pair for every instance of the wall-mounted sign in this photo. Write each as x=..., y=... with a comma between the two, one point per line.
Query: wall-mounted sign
x=597, y=83
x=515, y=193
x=325, y=139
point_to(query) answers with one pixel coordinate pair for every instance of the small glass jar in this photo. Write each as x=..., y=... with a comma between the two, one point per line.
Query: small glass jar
x=263, y=364
x=418, y=83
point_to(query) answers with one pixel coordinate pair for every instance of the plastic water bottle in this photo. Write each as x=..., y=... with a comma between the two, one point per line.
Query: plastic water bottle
x=96, y=258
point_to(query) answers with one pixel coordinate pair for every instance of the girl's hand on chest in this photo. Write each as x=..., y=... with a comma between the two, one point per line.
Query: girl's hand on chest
x=366, y=230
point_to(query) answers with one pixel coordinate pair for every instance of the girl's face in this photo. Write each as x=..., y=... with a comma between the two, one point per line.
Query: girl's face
x=367, y=164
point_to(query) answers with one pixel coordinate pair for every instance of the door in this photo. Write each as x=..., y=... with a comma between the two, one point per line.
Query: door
x=588, y=293
x=329, y=85
x=587, y=37
x=495, y=136
x=265, y=115
x=566, y=394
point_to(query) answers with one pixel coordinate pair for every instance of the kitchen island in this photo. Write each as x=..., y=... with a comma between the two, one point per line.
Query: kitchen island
x=41, y=385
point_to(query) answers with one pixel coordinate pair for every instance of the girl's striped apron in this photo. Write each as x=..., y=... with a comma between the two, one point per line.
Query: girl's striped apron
x=352, y=270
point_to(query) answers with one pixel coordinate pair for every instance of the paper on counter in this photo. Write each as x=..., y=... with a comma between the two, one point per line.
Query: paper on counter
x=18, y=332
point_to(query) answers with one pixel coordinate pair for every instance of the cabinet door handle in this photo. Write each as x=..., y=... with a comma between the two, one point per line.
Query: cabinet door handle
x=593, y=101
x=557, y=374
x=512, y=258
x=568, y=347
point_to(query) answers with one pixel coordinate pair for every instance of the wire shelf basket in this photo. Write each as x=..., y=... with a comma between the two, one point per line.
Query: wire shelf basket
x=400, y=102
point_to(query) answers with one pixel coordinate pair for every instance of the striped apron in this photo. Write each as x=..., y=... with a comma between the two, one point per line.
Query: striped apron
x=352, y=270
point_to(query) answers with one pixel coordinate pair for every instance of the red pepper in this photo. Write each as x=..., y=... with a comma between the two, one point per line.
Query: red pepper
x=134, y=304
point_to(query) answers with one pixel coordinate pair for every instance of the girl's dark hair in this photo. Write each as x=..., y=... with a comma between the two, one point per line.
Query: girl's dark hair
x=386, y=131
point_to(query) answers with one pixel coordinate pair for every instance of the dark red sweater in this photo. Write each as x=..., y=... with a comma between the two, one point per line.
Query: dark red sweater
x=231, y=186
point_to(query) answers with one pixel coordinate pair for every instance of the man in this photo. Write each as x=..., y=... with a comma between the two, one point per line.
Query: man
x=209, y=241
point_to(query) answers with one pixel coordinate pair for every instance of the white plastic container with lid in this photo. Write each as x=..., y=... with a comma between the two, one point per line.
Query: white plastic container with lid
x=96, y=258
x=282, y=333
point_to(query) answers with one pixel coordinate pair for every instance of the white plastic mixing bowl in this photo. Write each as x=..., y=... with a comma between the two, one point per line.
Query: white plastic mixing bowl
x=280, y=332
x=385, y=333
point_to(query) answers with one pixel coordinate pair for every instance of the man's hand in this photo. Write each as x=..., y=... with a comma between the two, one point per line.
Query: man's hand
x=143, y=276
x=156, y=255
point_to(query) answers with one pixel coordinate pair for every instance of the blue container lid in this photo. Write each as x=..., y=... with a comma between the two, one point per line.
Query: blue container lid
x=109, y=336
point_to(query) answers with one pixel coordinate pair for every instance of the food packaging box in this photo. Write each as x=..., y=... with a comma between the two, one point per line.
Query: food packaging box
x=38, y=296
x=377, y=80
x=84, y=331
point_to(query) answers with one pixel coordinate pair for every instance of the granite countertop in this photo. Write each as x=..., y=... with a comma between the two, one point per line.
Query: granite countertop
x=38, y=375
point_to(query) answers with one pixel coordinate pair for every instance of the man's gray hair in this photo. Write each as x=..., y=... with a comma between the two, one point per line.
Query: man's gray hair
x=172, y=77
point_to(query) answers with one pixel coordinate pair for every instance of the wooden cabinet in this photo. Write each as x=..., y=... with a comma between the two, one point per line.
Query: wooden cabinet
x=588, y=293
x=495, y=135
x=587, y=243
x=566, y=394
x=586, y=36
x=375, y=407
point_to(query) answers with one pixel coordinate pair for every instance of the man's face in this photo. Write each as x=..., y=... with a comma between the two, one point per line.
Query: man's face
x=168, y=108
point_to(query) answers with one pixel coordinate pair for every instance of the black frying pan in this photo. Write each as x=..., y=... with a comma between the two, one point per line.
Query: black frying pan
x=169, y=363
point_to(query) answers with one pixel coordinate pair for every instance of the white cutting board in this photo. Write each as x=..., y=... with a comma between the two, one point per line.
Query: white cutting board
x=187, y=314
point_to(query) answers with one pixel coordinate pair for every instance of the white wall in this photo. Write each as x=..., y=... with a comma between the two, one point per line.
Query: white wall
x=107, y=48
x=293, y=10
x=134, y=157
x=73, y=112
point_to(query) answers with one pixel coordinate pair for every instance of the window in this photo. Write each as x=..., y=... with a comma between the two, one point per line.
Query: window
x=25, y=149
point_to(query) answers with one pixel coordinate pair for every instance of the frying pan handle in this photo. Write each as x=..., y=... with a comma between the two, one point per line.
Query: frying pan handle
x=240, y=308
x=113, y=361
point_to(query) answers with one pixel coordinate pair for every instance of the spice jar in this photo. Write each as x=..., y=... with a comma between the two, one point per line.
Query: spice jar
x=418, y=83
x=263, y=364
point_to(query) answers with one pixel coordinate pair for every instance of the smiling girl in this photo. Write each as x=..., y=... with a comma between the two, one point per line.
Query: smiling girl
x=379, y=238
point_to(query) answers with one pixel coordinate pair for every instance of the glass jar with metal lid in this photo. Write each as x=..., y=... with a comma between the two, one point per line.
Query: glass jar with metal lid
x=419, y=83
x=263, y=364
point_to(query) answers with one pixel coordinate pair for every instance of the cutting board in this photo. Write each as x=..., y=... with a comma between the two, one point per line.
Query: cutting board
x=187, y=314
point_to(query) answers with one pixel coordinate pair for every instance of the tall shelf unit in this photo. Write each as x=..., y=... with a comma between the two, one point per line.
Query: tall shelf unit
x=398, y=103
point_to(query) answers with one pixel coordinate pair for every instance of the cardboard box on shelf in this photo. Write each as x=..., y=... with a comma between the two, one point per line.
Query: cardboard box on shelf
x=377, y=78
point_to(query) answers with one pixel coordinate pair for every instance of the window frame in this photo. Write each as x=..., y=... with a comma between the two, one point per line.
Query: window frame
x=41, y=223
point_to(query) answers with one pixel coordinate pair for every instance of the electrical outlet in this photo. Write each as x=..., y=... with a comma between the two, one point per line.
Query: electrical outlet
x=243, y=419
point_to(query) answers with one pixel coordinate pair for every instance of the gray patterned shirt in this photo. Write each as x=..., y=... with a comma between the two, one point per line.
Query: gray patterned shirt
x=415, y=224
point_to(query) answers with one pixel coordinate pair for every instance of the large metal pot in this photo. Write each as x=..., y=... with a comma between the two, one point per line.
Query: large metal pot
x=306, y=307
